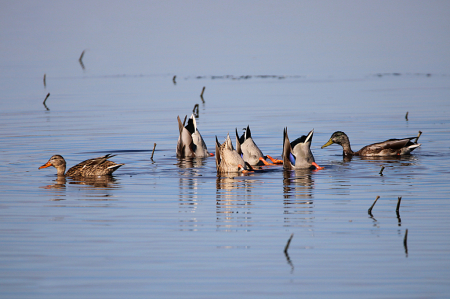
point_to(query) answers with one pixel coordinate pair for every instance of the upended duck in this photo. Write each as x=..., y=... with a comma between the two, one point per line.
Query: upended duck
x=90, y=167
x=391, y=147
x=250, y=152
x=297, y=154
x=227, y=158
x=190, y=142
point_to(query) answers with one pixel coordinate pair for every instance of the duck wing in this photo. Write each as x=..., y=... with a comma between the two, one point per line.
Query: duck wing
x=239, y=140
x=389, y=147
x=287, y=151
x=95, y=166
x=218, y=154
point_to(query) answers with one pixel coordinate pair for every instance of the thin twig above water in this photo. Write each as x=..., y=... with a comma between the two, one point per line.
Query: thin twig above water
x=201, y=95
x=288, y=243
x=154, y=146
x=370, y=209
x=80, y=60
x=48, y=94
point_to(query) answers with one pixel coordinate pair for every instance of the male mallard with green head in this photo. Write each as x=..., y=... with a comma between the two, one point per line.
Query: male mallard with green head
x=391, y=147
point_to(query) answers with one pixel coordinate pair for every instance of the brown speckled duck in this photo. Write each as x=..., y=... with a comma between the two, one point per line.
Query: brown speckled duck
x=391, y=147
x=227, y=159
x=95, y=166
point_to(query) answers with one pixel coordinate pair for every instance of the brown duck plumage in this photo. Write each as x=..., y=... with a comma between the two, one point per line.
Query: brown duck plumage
x=90, y=167
x=227, y=159
x=391, y=147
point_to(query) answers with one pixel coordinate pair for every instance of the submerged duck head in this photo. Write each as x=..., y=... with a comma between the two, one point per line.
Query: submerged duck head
x=297, y=154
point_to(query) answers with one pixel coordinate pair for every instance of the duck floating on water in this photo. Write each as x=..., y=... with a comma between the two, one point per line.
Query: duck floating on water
x=250, y=152
x=228, y=159
x=90, y=167
x=297, y=154
x=190, y=142
x=391, y=147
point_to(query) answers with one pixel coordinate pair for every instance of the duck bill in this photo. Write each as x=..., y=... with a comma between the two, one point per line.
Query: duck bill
x=330, y=142
x=48, y=164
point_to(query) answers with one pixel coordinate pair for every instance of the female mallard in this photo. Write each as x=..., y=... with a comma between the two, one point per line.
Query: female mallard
x=95, y=166
x=227, y=159
x=391, y=147
x=250, y=152
x=297, y=154
x=190, y=141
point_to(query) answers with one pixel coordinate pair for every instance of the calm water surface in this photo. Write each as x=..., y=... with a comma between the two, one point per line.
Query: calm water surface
x=172, y=228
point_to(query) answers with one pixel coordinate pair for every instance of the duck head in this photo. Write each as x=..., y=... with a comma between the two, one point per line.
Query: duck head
x=58, y=162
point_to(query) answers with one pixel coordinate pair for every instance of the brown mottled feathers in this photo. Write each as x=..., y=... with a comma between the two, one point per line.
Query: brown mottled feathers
x=95, y=166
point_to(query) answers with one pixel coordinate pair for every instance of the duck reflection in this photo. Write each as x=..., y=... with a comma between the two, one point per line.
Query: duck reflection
x=406, y=160
x=297, y=184
x=298, y=204
x=185, y=163
x=234, y=203
x=190, y=174
x=188, y=202
x=97, y=187
x=393, y=159
x=188, y=187
x=188, y=182
x=60, y=183
x=94, y=181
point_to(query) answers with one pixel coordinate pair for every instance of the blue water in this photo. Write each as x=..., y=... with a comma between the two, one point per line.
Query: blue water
x=173, y=228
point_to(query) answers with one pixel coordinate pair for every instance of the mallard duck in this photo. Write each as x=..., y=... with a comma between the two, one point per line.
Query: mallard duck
x=95, y=166
x=227, y=158
x=190, y=142
x=391, y=147
x=250, y=152
x=297, y=154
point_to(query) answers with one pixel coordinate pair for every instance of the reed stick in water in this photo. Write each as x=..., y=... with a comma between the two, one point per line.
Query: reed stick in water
x=154, y=146
x=381, y=171
x=406, y=116
x=201, y=95
x=195, y=110
x=173, y=79
x=288, y=243
x=405, y=239
x=45, y=83
x=370, y=209
x=81, y=56
x=80, y=60
x=48, y=94
x=398, y=204
x=418, y=135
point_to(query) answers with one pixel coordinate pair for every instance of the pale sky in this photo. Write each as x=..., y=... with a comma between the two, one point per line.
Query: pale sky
x=227, y=37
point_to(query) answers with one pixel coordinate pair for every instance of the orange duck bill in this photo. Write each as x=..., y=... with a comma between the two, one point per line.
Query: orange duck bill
x=48, y=164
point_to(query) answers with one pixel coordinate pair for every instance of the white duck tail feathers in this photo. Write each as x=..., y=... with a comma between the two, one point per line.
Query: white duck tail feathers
x=297, y=154
x=247, y=148
x=190, y=142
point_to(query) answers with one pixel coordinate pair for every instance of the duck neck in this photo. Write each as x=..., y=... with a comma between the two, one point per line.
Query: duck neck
x=60, y=170
x=347, y=148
